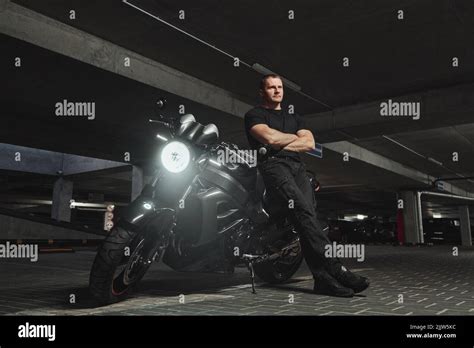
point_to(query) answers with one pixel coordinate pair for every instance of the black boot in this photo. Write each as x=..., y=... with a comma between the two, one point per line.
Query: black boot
x=325, y=284
x=349, y=279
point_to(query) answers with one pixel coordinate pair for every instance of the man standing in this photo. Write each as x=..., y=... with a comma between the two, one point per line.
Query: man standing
x=285, y=175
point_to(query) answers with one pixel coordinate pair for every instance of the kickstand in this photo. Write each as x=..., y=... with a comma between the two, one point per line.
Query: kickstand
x=252, y=275
x=249, y=259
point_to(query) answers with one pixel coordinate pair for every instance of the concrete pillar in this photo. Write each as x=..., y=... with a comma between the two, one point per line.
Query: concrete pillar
x=62, y=194
x=3, y=5
x=466, y=236
x=412, y=219
x=137, y=182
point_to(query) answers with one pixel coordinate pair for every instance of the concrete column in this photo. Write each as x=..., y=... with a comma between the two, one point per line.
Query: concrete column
x=466, y=236
x=62, y=194
x=412, y=219
x=3, y=5
x=137, y=182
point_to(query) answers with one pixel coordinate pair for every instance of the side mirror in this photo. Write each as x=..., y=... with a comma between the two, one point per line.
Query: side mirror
x=187, y=118
x=209, y=135
x=161, y=103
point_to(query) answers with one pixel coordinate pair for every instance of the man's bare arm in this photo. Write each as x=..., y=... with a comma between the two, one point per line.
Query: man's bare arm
x=270, y=136
x=303, y=143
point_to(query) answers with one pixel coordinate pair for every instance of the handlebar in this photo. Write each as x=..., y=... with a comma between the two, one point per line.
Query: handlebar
x=166, y=124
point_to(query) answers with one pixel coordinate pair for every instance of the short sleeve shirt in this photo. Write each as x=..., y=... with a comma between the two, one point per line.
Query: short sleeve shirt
x=280, y=120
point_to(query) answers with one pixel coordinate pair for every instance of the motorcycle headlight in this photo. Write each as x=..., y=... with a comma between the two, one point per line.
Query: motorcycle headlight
x=175, y=157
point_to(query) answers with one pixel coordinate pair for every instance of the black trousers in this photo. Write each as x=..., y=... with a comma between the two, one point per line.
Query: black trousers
x=288, y=184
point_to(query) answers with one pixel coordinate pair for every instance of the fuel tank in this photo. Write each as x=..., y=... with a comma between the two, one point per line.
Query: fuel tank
x=232, y=172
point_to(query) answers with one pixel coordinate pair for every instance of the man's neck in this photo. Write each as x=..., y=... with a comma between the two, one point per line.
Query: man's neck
x=273, y=106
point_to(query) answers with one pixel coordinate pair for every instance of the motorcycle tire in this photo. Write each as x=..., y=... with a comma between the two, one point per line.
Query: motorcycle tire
x=107, y=283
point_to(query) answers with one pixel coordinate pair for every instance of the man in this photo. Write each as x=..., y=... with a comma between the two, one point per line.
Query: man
x=285, y=175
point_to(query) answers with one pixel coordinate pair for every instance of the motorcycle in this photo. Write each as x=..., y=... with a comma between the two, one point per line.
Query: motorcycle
x=198, y=214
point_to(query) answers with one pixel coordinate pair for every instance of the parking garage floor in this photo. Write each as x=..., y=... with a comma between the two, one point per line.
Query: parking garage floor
x=431, y=280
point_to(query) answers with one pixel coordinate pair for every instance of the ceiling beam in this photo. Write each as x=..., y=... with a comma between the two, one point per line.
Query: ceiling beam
x=438, y=108
x=37, y=29
x=356, y=152
x=25, y=159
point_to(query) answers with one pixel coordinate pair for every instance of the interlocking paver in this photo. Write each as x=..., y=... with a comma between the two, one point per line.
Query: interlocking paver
x=430, y=280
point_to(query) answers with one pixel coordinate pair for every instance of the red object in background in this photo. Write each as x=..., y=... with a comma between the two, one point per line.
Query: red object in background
x=400, y=227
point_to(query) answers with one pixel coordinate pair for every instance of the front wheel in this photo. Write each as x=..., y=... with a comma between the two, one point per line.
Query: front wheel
x=124, y=257
x=281, y=269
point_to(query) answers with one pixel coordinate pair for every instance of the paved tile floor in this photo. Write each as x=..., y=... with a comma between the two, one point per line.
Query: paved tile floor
x=405, y=281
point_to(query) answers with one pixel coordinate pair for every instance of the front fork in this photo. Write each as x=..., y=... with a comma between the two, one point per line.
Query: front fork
x=146, y=205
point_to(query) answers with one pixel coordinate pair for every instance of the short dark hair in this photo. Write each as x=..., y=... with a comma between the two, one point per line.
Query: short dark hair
x=262, y=81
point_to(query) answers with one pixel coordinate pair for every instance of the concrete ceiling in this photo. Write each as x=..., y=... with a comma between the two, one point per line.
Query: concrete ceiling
x=123, y=106
x=388, y=57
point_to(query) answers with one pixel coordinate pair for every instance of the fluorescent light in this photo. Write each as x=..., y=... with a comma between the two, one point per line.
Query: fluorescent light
x=436, y=216
x=353, y=217
x=265, y=71
x=161, y=137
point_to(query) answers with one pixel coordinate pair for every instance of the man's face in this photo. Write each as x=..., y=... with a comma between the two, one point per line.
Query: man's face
x=273, y=91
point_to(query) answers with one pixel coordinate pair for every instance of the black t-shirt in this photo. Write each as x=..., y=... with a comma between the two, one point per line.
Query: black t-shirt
x=280, y=120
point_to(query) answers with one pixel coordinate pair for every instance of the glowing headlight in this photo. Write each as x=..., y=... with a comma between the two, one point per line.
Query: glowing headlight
x=175, y=157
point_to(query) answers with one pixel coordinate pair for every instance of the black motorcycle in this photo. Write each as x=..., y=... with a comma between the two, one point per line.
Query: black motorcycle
x=199, y=214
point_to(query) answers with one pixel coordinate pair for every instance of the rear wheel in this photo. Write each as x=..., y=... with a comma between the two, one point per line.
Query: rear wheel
x=124, y=257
